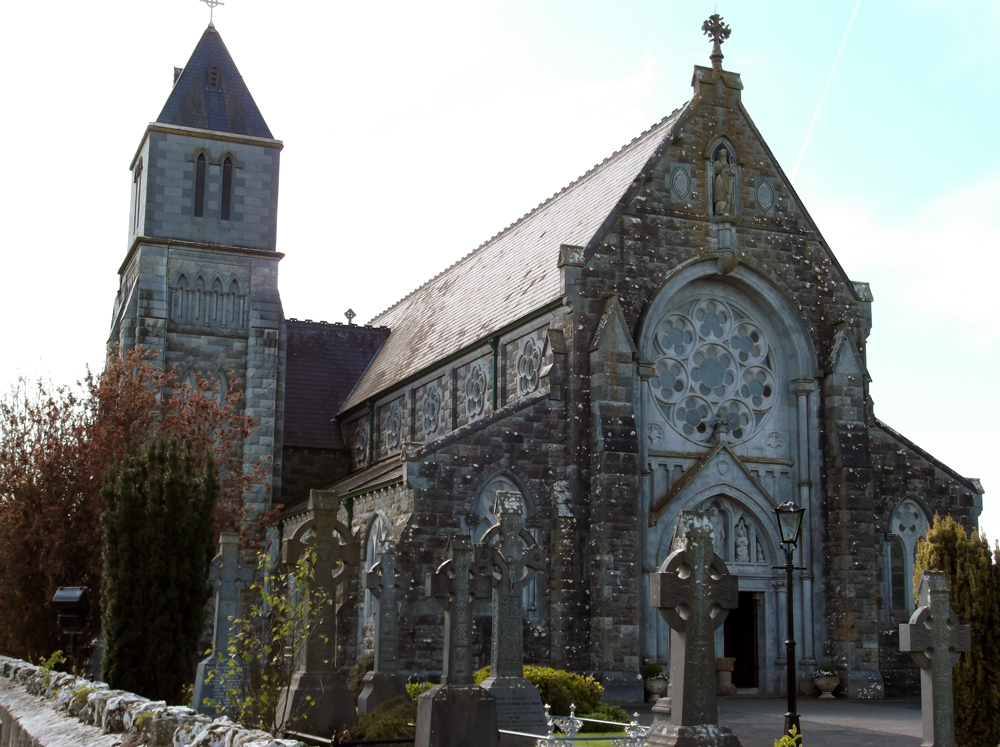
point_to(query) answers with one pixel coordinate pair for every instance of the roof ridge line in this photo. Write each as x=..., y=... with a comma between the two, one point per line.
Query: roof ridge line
x=527, y=215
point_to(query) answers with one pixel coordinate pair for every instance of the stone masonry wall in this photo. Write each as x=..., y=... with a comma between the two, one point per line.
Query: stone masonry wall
x=54, y=709
x=657, y=235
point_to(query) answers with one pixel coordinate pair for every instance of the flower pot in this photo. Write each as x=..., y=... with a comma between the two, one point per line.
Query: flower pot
x=655, y=687
x=827, y=683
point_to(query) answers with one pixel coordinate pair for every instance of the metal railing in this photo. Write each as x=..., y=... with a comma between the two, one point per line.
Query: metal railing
x=635, y=735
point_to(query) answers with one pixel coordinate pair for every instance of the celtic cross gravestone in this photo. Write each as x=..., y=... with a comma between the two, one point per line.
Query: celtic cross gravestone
x=935, y=639
x=511, y=552
x=457, y=711
x=317, y=691
x=228, y=574
x=386, y=582
x=694, y=592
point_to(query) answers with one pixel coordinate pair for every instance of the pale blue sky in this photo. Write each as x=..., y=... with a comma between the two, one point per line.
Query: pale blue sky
x=415, y=131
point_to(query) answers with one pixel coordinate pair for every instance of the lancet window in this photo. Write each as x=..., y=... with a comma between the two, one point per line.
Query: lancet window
x=200, y=174
x=227, y=187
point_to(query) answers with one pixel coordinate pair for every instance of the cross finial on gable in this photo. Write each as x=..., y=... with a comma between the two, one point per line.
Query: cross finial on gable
x=718, y=32
x=211, y=10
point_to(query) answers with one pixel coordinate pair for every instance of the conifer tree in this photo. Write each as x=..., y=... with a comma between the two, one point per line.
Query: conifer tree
x=974, y=581
x=158, y=543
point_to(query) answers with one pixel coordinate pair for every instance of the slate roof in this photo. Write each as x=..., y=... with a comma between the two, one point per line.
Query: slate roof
x=323, y=364
x=506, y=278
x=226, y=107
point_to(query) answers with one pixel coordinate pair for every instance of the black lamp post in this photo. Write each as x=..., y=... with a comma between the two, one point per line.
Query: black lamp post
x=73, y=605
x=790, y=526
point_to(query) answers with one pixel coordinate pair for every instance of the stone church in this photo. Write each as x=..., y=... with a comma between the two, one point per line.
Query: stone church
x=669, y=331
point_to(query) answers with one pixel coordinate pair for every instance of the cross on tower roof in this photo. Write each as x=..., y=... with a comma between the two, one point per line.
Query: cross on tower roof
x=718, y=32
x=211, y=10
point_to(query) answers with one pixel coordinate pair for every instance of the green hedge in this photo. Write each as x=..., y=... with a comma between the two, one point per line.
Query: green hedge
x=559, y=688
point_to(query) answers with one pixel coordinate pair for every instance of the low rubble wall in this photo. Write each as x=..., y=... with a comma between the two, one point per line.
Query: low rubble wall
x=53, y=709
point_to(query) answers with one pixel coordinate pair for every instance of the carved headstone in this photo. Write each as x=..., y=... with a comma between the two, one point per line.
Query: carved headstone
x=457, y=711
x=510, y=550
x=935, y=639
x=386, y=582
x=228, y=574
x=317, y=691
x=694, y=592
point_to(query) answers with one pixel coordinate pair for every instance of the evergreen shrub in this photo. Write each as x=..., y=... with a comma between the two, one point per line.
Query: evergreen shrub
x=973, y=574
x=158, y=542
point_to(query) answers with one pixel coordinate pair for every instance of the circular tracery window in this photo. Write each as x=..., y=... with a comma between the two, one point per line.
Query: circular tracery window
x=713, y=367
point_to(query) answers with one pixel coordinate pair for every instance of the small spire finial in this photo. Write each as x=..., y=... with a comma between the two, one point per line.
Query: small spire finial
x=350, y=316
x=211, y=11
x=718, y=32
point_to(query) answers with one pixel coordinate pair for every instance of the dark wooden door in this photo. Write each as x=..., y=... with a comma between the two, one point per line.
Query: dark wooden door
x=740, y=635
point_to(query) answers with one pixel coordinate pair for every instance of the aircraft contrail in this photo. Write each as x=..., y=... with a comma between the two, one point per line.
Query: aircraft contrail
x=812, y=125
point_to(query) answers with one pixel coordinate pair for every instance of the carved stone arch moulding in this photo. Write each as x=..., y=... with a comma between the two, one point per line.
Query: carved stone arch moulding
x=480, y=515
x=230, y=154
x=765, y=293
x=744, y=533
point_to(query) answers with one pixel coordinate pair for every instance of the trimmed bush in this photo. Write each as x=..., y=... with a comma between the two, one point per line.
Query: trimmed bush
x=416, y=689
x=396, y=719
x=603, y=712
x=559, y=688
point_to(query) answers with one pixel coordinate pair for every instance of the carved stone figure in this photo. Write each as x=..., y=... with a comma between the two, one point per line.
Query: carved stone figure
x=742, y=544
x=723, y=184
x=718, y=530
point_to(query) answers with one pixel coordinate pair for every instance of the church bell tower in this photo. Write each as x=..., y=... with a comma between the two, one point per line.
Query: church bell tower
x=199, y=282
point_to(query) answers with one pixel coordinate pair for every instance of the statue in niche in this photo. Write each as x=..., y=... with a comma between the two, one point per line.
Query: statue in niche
x=723, y=183
x=742, y=543
x=718, y=530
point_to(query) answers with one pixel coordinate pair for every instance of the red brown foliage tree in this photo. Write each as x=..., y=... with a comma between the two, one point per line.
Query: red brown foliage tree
x=58, y=444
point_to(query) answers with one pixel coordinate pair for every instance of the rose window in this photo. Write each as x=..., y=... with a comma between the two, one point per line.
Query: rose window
x=713, y=370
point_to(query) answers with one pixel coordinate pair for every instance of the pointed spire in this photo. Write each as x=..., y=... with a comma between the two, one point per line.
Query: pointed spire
x=210, y=93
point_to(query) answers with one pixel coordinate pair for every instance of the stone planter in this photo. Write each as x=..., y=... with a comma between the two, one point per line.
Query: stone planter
x=655, y=687
x=827, y=684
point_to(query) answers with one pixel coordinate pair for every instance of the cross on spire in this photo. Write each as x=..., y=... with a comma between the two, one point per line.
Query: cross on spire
x=211, y=10
x=715, y=30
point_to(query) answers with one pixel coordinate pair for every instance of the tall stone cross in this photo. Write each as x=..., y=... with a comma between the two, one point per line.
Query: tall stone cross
x=501, y=548
x=509, y=550
x=694, y=592
x=385, y=581
x=316, y=687
x=455, y=585
x=228, y=574
x=935, y=639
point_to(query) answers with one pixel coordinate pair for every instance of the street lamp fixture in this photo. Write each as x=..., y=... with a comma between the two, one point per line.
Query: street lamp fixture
x=73, y=605
x=790, y=526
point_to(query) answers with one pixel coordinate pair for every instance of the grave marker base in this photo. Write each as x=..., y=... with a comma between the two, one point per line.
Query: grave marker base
x=332, y=707
x=449, y=715
x=381, y=687
x=664, y=733
x=519, y=708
